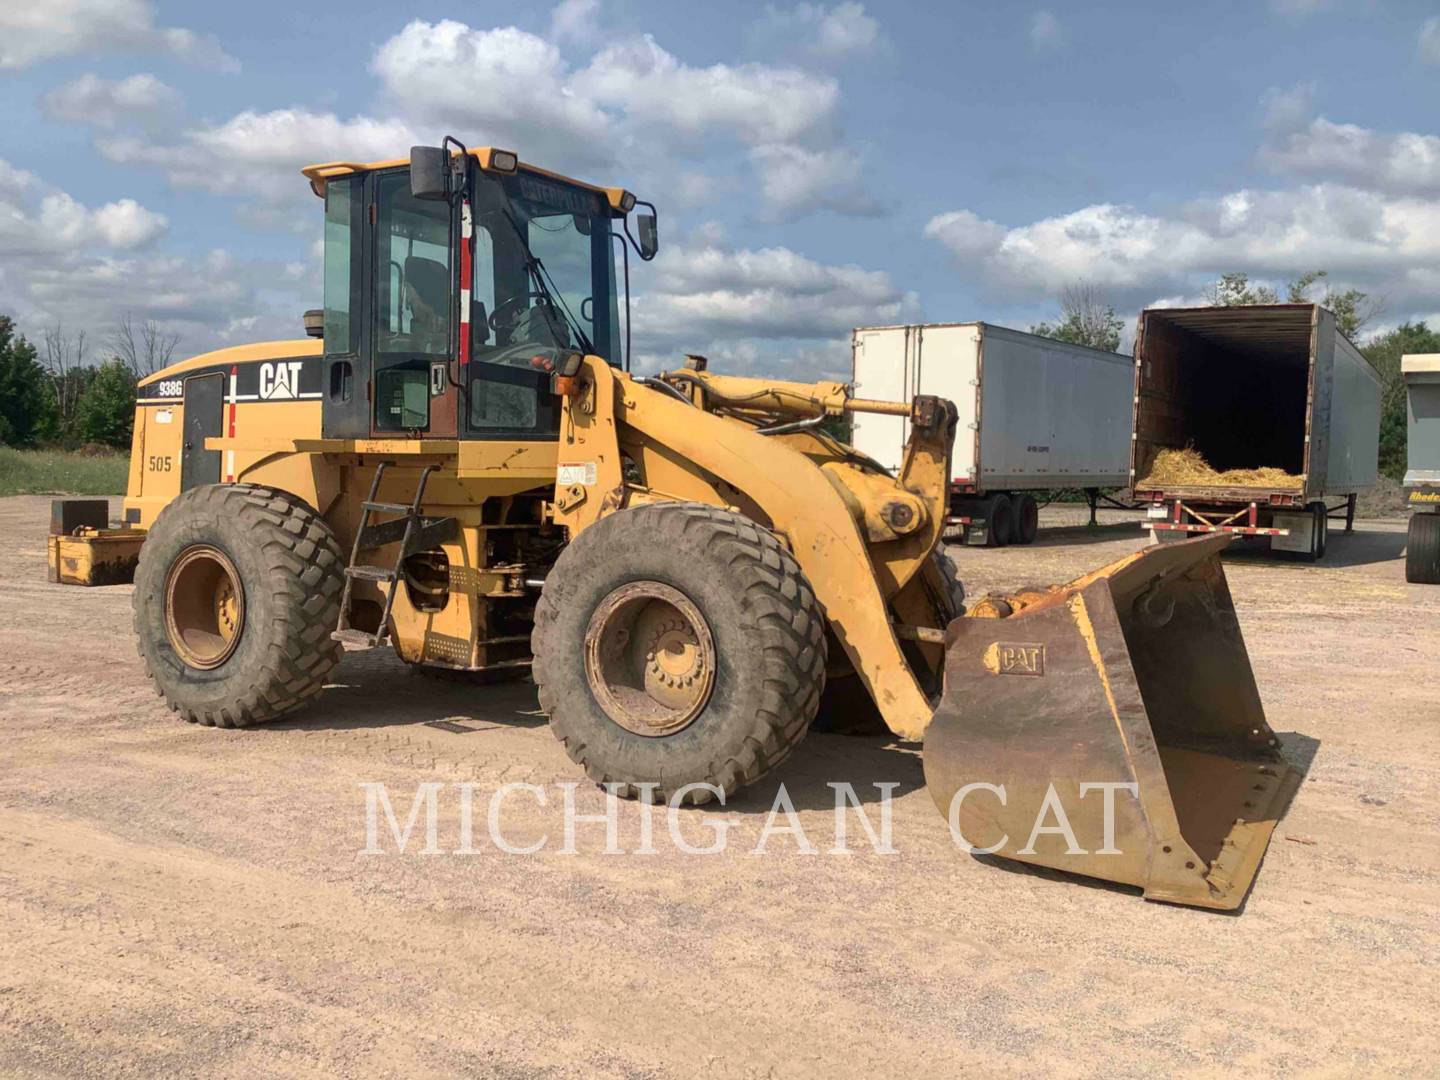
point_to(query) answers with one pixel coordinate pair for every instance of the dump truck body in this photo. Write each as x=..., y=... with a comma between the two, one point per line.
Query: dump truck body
x=1272, y=390
x=1422, y=472
x=1036, y=414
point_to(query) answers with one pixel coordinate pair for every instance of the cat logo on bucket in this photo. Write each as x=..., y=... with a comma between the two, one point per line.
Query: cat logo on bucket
x=1015, y=658
x=280, y=380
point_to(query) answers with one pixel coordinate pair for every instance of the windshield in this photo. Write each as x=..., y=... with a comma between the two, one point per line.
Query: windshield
x=560, y=293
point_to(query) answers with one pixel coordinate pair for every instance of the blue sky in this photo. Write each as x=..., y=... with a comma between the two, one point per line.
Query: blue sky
x=817, y=166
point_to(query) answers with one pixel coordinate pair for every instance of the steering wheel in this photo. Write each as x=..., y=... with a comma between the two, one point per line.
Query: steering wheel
x=514, y=307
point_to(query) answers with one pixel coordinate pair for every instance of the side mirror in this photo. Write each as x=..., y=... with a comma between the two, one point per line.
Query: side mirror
x=429, y=172
x=649, y=230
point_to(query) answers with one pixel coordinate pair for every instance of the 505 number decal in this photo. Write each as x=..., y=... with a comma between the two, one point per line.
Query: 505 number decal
x=156, y=463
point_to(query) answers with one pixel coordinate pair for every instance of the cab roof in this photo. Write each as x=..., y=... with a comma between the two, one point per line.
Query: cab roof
x=484, y=157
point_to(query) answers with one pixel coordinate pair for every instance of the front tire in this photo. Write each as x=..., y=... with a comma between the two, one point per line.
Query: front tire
x=678, y=644
x=236, y=593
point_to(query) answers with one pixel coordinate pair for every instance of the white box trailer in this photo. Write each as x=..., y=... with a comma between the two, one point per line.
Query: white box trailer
x=1035, y=414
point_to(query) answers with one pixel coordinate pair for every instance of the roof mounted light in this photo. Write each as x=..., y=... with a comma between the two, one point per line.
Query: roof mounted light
x=506, y=161
x=627, y=202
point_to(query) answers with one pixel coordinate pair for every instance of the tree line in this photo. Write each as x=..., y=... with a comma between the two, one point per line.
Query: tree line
x=64, y=391
x=1088, y=318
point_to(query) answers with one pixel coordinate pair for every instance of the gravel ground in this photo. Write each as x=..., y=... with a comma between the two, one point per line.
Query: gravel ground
x=183, y=900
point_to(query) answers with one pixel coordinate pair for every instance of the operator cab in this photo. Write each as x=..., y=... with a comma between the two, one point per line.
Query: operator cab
x=456, y=284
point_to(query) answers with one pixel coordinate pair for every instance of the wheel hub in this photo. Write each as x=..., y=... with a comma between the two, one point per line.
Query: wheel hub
x=204, y=606
x=650, y=658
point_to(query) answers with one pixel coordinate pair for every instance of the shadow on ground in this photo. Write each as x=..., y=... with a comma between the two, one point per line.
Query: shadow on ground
x=1360, y=548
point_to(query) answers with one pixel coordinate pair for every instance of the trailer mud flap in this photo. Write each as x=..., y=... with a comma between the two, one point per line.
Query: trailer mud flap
x=1112, y=728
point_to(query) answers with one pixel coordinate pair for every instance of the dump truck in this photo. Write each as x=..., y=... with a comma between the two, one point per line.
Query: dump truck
x=1036, y=416
x=462, y=468
x=1268, y=417
x=1421, y=373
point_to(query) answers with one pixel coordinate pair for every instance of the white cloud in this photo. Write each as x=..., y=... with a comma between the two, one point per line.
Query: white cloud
x=1046, y=33
x=824, y=33
x=1300, y=143
x=1429, y=42
x=33, y=32
x=633, y=105
x=62, y=262
x=261, y=154
x=1404, y=162
x=574, y=20
x=505, y=86
x=1286, y=109
x=796, y=181
x=36, y=221
x=1299, y=8
x=755, y=103
x=1385, y=243
x=105, y=103
x=706, y=291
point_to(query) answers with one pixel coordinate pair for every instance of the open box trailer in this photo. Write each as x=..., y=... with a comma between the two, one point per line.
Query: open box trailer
x=1270, y=386
x=1422, y=472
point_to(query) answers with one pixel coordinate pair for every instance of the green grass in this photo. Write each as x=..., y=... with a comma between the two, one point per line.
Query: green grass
x=60, y=472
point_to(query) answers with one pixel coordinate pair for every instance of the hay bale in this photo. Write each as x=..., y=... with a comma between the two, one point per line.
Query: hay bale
x=1188, y=468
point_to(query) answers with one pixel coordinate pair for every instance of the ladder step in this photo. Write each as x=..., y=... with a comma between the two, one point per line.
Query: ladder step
x=387, y=508
x=370, y=573
x=362, y=638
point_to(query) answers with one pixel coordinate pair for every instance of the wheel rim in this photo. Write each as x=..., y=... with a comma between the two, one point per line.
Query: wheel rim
x=650, y=658
x=204, y=606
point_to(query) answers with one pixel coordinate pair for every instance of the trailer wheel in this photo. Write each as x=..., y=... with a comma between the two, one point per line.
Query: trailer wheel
x=999, y=521
x=1027, y=518
x=1422, y=550
x=678, y=644
x=236, y=594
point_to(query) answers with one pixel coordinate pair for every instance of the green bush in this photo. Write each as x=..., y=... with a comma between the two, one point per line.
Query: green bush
x=106, y=410
x=27, y=408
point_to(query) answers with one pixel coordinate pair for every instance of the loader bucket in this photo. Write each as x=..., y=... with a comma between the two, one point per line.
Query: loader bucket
x=1112, y=728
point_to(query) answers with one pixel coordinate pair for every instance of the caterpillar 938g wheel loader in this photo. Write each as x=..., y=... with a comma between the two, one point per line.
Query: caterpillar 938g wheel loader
x=459, y=463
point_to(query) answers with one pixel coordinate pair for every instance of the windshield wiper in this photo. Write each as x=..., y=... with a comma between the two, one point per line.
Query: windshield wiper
x=540, y=276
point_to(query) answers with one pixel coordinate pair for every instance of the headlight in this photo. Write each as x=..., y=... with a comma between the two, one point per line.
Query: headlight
x=504, y=160
x=627, y=202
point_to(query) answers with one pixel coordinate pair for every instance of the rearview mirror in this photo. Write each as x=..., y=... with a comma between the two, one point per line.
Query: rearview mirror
x=649, y=230
x=429, y=172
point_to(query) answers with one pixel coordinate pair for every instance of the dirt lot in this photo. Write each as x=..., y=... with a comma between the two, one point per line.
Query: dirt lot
x=177, y=900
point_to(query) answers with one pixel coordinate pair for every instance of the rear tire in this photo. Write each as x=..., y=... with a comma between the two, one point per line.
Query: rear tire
x=1027, y=519
x=999, y=521
x=760, y=632
x=1422, y=550
x=238, y=656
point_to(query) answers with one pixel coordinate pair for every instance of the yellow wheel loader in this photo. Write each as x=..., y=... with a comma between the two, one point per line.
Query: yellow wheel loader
x=459, y=463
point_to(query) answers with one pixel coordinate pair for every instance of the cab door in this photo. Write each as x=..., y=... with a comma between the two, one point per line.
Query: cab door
x=413, y=330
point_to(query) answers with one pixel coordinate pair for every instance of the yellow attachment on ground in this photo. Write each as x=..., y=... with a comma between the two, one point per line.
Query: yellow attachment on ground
x=95, y=556
x=1112, y=728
